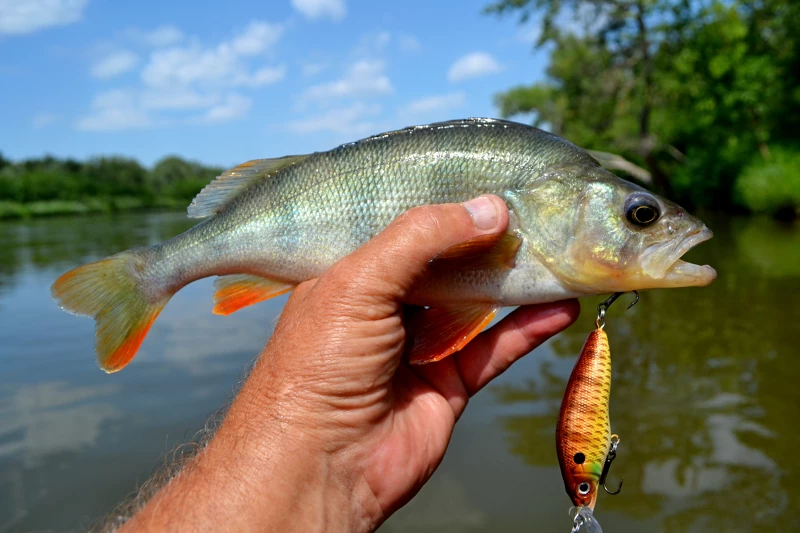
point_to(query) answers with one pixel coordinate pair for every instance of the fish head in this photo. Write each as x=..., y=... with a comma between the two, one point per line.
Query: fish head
x=599, y=233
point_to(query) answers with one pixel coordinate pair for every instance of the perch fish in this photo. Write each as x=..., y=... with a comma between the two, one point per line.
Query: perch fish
x=575, y=230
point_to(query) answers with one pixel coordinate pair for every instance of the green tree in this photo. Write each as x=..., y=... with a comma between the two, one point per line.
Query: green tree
x=729, y=88
x=691, y=90
x=110, y=176
x=604, y=75
x=181, y=179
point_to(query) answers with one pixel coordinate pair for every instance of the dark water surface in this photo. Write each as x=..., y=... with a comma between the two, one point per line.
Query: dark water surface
x=705, y=395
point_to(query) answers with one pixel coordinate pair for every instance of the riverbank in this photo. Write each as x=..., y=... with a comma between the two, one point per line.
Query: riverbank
x=17, y=210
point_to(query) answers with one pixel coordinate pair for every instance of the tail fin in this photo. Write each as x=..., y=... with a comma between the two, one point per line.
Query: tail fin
x=111, y=292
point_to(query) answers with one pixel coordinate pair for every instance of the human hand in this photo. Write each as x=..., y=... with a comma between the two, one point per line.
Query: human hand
x=333, y=430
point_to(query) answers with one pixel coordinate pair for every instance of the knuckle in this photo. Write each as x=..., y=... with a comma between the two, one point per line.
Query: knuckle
x=424, y=219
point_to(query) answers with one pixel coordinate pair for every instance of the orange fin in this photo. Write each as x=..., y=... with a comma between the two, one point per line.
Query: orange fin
x=437, y=332
x=487, y=252
x=240, y=290
x=124, y=310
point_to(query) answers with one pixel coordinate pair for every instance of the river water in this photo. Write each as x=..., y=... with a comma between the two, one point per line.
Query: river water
x=705, y=395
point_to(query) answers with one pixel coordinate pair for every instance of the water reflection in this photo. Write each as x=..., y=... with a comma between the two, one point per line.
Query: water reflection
x=40, y=424
x=445, y=507
x=64, y=243
x=703, y=395
x=51, y=417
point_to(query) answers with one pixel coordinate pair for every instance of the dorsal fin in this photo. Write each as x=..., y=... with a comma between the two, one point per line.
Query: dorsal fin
x=457, y=123
x=232, y=183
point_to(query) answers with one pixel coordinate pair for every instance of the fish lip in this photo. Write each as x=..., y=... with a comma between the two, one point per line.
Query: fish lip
x=662, y=261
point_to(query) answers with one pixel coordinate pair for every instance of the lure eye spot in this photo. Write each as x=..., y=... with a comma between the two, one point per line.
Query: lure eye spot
x=579, y=458
x=583, y=489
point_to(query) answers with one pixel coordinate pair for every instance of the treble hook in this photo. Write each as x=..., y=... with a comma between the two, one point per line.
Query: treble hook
x=612, y=454
x=603, y=306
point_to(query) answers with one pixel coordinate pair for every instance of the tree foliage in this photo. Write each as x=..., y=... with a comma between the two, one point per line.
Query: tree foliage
x=693, y=91
x=101, y=183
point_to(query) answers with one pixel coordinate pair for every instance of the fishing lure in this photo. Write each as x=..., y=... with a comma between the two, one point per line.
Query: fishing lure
x=584, y=441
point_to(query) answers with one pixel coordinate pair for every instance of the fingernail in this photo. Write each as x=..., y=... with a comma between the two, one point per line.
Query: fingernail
x=483, y=212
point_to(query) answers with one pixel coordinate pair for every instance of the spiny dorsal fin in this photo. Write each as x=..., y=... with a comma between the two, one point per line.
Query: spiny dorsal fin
x=457, y=123
x=232, y=183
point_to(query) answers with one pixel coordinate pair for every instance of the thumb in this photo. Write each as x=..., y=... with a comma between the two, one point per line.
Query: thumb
x=387, y=268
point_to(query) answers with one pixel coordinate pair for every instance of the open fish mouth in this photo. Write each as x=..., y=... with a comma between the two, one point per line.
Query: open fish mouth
x=663, y=262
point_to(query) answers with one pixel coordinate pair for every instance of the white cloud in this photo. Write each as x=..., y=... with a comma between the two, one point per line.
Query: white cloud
x=314, y=9
x=348, y=120
x=372, y=43
x=124, y=109
x=25, y=16
x=312, y=69
x=434, y=104
x=234, y=106
x=185, y=65
x=116, y=109
x=409, y=43
x=188, y=83
x=264, y=76
x=472, y=65
x=221, y=65
x=114, y=64
x=362, y=78
x=177, y=99
x=44, y=119
x=257, y=37
x=158, y=37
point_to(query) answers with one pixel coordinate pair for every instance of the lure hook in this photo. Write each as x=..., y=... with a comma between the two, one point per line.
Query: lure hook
x=612, y=454
x=603, y=306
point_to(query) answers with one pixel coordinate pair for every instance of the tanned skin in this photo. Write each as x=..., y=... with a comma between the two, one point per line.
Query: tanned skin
x=332, y=430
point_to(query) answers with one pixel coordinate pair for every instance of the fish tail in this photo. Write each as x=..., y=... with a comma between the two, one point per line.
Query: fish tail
x=114, y=292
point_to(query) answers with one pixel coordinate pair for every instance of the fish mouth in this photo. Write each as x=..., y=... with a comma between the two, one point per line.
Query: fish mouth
x=663, y=262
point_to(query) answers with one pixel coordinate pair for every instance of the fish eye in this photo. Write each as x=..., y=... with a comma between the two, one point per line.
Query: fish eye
x=583, y=489
x=579, y=458
x=642, y=209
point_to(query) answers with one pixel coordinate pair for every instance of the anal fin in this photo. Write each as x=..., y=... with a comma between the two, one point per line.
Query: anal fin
x=240, y=290
x=437, y=332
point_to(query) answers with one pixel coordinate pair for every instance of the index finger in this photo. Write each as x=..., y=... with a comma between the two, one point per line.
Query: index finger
x=493, y=351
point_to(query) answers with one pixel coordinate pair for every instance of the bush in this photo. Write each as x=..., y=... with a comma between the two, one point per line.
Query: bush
x=12, y=210
x=57, y=207
x=97, y=205
x=123, y=203
x=772, y=185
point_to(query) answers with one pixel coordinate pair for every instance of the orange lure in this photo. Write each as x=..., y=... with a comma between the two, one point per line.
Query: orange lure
x=584, y=441
x=583, y=434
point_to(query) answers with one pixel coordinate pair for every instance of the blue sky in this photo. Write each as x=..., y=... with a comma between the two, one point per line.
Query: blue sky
x=244, y=79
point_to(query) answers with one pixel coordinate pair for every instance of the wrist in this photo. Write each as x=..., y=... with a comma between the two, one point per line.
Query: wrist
x=262, y=473
x=271, y=452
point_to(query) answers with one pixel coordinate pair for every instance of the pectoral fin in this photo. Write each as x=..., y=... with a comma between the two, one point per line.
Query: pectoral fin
x=240, y=290
x=487, y=252
x=436, y=332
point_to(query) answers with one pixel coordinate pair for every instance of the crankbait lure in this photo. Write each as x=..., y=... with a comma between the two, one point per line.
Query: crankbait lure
x=584, y=441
